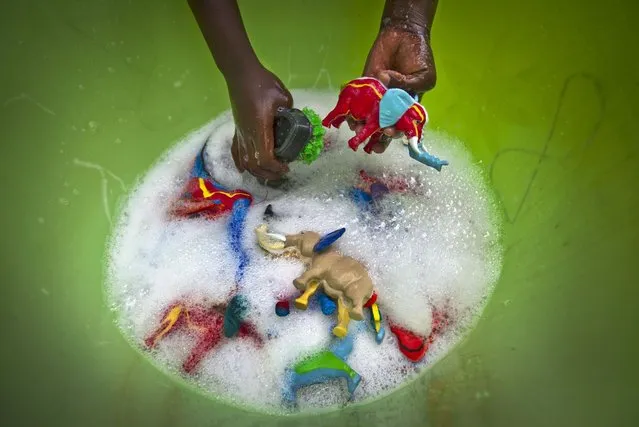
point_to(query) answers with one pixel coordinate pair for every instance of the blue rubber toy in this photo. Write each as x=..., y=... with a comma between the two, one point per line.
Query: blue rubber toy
x=322, y=367
x=327, y=305
x=328, y=239
x=427, y=159
x=282, y=309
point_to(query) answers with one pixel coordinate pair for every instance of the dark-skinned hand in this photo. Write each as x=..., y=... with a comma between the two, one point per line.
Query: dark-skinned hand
x=400, y=58
x=255, y=98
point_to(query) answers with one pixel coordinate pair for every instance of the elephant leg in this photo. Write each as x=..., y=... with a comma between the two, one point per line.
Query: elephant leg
x=340, y=112
x=309, y=276
x=302, y=302
x=206, y=344
x=309, y=283
x=343, y=318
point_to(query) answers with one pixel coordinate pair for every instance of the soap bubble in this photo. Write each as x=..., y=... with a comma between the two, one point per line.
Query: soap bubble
x=431, y=244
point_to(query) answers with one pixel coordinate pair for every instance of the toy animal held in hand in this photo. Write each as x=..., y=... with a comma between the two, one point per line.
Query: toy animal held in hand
x=383, y=112
x=342, y=278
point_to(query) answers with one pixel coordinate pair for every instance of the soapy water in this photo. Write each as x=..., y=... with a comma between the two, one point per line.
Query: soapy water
x=434, y=246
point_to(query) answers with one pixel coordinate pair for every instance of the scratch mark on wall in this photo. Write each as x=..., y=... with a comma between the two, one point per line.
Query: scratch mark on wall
x=104, y=183
x=29, y=98
x=542, y=155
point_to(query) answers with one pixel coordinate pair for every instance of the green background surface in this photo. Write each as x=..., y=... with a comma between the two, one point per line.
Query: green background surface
x=545, y=93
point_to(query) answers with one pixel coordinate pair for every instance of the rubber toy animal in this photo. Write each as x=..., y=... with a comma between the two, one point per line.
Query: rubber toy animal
x=321, y=367
x=342, y=278
x=382, y=112
x=211, y=324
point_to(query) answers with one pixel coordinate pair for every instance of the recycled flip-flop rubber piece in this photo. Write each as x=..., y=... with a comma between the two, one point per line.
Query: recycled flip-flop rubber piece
x=234, y=314
x=427, y=159
x=376, y=322
x=282, y=308
x=327, y=305
x=361, y=198
x=209, y=324
x=411, y=345
x=204, y=196
x=322, y=367
x=378, y=190
x=414, y=346
x=372, y=300
x=328, y=239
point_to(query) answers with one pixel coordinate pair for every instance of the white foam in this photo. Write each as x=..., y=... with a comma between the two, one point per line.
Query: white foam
x=437, y=245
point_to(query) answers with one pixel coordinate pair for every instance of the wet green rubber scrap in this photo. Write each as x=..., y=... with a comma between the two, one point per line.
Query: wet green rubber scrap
x=323, y=360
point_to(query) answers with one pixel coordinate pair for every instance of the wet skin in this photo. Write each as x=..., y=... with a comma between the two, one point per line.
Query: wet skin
x=400, y=57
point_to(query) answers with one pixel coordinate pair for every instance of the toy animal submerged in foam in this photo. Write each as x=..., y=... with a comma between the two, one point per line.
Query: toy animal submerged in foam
x=342, y=278
x=383, y=113
x=321, y=367
x=210, y=323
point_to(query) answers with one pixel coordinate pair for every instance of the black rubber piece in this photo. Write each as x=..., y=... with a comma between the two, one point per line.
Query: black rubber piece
x=293, y=131
x=268, y=212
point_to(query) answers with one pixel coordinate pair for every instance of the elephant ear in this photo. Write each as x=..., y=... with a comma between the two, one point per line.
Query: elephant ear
x=328, y=239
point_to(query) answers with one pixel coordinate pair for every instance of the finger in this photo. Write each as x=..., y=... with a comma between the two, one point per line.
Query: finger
x=384, y=77
x=416, y=83
x=272, y=164
x=378, y=59
x=421, y=81
x=264, y=174
x=264, y=165
x=382, y=144
x=258, y=165
x=423, y=76
x=355, y=125
x=379, y=148
x=265, y=146
x=264, y=156
x=271, y=183
x=395, y=79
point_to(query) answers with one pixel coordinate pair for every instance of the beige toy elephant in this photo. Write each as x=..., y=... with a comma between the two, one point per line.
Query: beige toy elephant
x=342, y=278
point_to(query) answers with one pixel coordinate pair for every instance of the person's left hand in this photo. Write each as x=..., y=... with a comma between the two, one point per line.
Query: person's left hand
x=357, y=125
x=401, y=58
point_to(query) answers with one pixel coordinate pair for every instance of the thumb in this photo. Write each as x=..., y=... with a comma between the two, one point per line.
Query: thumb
x=384, y=76
x=421, y=81
x=415, y=83
x=393, y=79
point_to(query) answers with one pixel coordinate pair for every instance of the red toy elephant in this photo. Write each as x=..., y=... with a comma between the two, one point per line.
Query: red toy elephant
x=389, y=111
x=382, y=111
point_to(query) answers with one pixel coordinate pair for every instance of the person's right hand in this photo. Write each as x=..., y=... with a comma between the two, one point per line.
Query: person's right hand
x=255, y=97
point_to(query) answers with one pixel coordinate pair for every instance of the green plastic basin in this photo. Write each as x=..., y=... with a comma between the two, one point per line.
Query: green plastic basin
x=544, y=93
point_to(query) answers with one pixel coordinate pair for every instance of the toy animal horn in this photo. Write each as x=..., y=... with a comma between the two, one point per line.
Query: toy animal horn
x=328, y=239
x=276, y=236
x=270, y=242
